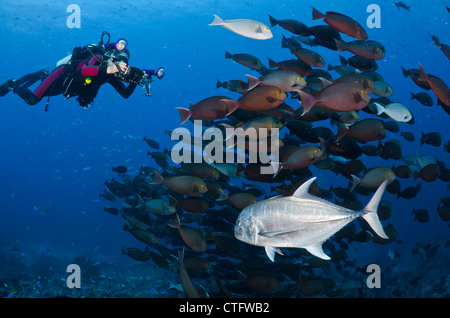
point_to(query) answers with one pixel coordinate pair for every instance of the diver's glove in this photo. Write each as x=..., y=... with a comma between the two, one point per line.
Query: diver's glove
x=113, y=67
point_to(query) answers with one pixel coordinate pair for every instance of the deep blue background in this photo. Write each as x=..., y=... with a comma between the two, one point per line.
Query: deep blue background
x=62, y=158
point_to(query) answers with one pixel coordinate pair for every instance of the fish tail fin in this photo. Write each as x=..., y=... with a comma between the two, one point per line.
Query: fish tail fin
x=175, y=222
x=219, y=84
x=228, y=55
x=436, y=40
x=167, y=152
x=240, y=168
x=343, y=61
x=340, y=45
x=157, y=178
x=223, y=195
x=140, y=202
x=273, y=21
x=185, y=114
x=405, y=72
x=252, y=81
x=308, y=101
x=232, y=105
x=422, y=138
x=380, y=108
x=371, y=208
x=285, y=44
x=413, y=96
x=217, y=21
x=228, y=135
x=172, y=201
x=341, y=132
x=355, y=182
x=316, y=15
x=276, y=166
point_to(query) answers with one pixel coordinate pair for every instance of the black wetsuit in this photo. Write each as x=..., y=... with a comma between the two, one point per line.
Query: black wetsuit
x=82, y=78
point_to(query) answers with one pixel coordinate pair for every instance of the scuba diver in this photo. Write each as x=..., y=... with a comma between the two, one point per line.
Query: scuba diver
x=83, y=73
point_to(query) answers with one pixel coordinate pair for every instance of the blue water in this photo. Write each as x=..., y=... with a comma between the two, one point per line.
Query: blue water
x=54, y=164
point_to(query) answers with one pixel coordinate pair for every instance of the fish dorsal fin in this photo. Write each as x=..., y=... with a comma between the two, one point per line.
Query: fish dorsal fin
x=316, y=250
x=274, y=197
x=302, y=191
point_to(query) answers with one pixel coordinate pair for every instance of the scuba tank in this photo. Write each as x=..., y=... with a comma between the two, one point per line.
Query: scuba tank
x=64, y=60
x=80, y=54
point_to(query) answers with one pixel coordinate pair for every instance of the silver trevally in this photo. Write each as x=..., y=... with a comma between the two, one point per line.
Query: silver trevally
x=245, y=27
x=301, y=220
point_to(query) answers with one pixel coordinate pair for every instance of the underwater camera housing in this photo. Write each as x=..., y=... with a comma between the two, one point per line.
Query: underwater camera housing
x=140, y=77
x=132, y=74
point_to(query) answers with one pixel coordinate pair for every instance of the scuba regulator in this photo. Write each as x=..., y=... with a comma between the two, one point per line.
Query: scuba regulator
x=131, y=74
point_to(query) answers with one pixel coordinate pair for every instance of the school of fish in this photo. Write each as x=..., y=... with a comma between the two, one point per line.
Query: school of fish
x=211, y=219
